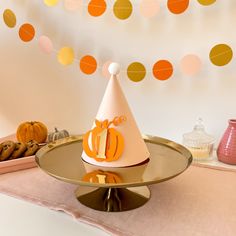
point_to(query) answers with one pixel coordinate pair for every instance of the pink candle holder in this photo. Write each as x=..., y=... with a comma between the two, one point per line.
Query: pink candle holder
x=226, y=151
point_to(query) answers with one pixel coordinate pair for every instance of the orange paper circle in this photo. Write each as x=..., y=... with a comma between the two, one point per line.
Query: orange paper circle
x=26, y=32
x=9, y=18
x=88, y=64
x=136, y=71
x=177, y=6
x=97, y=7
x=162, y=70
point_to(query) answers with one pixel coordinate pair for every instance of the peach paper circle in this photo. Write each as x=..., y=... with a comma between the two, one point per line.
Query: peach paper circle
x=73, y=5
x=122, y=9
x=88, y=64
x=45, y=44
x=51, y=3
x=190, y=64
x=162, y=70
x=65, y=56
x=206, y=2
x=97, y=7
x=149, y=8
x=136, y=71
x=177, y=6
x=105, y=71
x=26, y=32
x=9, y=18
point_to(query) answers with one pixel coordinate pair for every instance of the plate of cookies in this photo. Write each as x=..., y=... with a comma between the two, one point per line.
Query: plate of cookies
x=17, y=151
x=15, y=155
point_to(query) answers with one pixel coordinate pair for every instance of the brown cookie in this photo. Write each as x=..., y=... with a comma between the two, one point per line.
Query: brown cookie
x=1, y=147
x=32, y=148
x=20, y=148
x=7, y=150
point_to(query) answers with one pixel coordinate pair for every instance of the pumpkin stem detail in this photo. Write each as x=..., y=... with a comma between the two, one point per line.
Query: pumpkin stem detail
x=56, y=130
x=117, y=120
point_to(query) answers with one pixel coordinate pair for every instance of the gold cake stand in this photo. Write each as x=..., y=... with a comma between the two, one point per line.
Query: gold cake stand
x=62, y=160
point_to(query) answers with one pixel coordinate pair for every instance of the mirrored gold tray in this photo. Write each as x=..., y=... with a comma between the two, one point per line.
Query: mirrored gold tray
x=62, y=160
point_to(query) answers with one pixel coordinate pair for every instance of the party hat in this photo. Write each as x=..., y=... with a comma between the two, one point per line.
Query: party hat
x=114, y=140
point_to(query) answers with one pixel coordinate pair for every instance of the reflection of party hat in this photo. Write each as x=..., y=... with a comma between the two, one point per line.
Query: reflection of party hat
x=125, y=174
x=115, y=140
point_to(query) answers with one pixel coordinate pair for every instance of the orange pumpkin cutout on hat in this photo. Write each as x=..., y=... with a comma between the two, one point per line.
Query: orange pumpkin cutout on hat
x=107, y=144
x=102, y=177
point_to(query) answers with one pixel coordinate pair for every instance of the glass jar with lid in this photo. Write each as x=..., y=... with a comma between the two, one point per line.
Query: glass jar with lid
x=199, y=143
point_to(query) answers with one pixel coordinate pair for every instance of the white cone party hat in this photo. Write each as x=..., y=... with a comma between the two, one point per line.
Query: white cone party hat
x=114, y=140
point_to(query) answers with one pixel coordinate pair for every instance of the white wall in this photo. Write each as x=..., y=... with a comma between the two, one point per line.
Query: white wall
x=34, y=86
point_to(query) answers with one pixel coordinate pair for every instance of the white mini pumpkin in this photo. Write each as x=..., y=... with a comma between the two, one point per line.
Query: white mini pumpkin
x=58, y=134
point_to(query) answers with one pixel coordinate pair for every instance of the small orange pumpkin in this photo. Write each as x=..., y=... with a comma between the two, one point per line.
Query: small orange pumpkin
x=102, y=177
x=107, y=144
x=33, y=130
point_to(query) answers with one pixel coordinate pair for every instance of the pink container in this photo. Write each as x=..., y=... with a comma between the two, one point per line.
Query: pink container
x=226, y=150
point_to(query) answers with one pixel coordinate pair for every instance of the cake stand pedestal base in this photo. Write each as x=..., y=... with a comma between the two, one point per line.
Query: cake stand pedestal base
x=113, y=199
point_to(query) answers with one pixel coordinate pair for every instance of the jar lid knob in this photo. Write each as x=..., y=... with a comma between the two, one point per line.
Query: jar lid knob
x=199, y=124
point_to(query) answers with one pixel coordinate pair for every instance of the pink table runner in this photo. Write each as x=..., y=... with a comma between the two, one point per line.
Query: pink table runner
x=201, y=201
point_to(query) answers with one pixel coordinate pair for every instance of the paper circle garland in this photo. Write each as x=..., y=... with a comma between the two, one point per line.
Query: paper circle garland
x=177, y=6
x=45, y=44
x=206, y=2
x=190, y=64
x=105, y=71
x=162, y=70
x=149, y=8
x=88, y=64
x=122, y=9
x=97, y=7
x=9, y=18
x=221, y=54
x=26, y=32
x=136, y=71
x=65, y=56
x=73, y=5
x=51, y=3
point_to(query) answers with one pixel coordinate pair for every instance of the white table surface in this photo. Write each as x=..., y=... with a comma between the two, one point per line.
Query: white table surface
x=22, y=218
x=214, y=162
